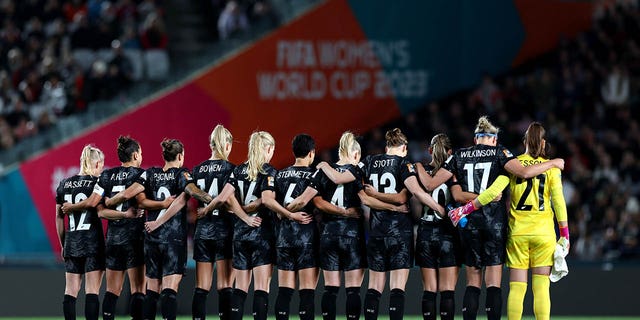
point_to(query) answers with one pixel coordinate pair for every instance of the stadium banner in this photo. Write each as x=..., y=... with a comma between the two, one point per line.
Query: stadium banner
x=345, y=65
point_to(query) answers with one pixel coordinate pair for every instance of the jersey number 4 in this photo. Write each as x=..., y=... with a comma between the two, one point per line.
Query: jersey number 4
x=72, y=223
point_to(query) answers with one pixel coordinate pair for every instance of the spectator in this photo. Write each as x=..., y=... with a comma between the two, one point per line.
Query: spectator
x=232, y=21
x=153, y=36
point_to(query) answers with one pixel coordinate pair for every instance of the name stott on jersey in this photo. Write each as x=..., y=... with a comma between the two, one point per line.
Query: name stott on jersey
x=387, y=174
x=290, y=183
x=476, y=168
x=442, y=195
x=111, y=182
x=247, y=192
x=344, y=196
x=211, y=176
x=159, y=185
x=84, y=235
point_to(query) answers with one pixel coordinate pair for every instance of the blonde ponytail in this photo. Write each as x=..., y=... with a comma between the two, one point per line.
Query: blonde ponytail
x=219, y=137
x=348, y=145
x=258, y=143
x=485, y=128
x=89, y=157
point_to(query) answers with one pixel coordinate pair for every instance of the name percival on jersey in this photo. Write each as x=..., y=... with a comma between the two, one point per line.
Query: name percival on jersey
x=343, y=196
x=84, y=236
x=211, y=176
x=476, y=167
x=160, y=185
x=111, y=182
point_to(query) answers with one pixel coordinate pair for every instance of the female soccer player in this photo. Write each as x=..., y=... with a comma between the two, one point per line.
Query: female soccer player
x=342, y=243
x=82, y=240
x=484, y=236
x=212, y=238
x=253, y=247
x=166, y=237
x=390, y=244
x=532, y=237
x=438, y=248
x=297, y=236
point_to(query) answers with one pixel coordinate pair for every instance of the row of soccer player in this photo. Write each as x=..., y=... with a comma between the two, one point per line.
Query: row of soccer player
x=252, y=216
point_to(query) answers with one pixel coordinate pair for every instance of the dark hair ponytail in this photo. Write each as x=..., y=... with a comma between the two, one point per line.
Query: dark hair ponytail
x=395, y=138
x=126, y=147
x=533, y=140
x=171, y=148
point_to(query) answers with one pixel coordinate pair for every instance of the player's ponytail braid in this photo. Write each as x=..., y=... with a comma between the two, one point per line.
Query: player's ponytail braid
x=485, y=127
x=395, y=138
x=219, y=137
x=126, y=147
x=348, y=145
x=440, y=147
x=89, y=157
x=256, y=158
x=533, y=140
x=171, y=148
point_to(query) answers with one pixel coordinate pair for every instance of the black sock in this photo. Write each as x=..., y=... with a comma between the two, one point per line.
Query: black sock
x=150, y=305
x=470, y=303
x=306, y=310
x=224, y=303
x=260, y=305
x=283, y=302
x=69, y=307
x=136, y=306
x=494, y=303
x=237, y=304
x=109, y=305
x=329, y=302
x=428, y=305
x=396, y=304
x=371, y=304
x=447, y=305
x=354, y=303
x=199, y=304
x=168, y=304
x=91, y=306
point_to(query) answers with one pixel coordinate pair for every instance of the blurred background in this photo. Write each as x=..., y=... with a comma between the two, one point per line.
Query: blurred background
x=74, y=72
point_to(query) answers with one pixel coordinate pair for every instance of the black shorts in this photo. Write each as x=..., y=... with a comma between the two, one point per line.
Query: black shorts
x=338, y=253
x=390, y=253
x=248, y=254
x=297, y=258
x=205, y=250
x=435, y=249
x=164, y=259
x=82, y=265
x=125, y=256
x=483, y=247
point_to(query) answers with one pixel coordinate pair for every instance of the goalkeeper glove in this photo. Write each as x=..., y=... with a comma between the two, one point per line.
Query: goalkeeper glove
x=459, y=214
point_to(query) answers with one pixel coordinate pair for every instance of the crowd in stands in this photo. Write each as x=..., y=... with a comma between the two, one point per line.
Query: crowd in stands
x=587, y=95
x=236, y=16
x=57, y=56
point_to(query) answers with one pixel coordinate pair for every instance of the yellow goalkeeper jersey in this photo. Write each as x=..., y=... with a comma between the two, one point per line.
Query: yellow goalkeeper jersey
x=534, y=200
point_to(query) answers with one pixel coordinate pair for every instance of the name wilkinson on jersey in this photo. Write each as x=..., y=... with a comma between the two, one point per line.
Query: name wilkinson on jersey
x=478, y=153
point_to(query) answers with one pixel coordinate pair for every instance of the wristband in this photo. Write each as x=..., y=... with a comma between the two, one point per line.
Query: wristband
x=564, y=232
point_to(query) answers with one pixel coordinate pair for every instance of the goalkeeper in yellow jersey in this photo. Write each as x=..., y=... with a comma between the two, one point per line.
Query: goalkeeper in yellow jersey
x=532, y=239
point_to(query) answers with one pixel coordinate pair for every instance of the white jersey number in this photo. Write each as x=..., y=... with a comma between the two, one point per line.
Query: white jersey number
x=213, y=190
x=486, y=169
x=387, y=180
x=72, y=223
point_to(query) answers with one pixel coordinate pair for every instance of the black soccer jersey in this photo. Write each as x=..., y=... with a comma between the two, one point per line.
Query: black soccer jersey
x=248, y=191
x=211, y=176
x=476, y=168
x=159, y=185
x=290, y=183
x=387, y=173
x=442, y=195
x=84, y=236
x=112, y=181
x=344, y=196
